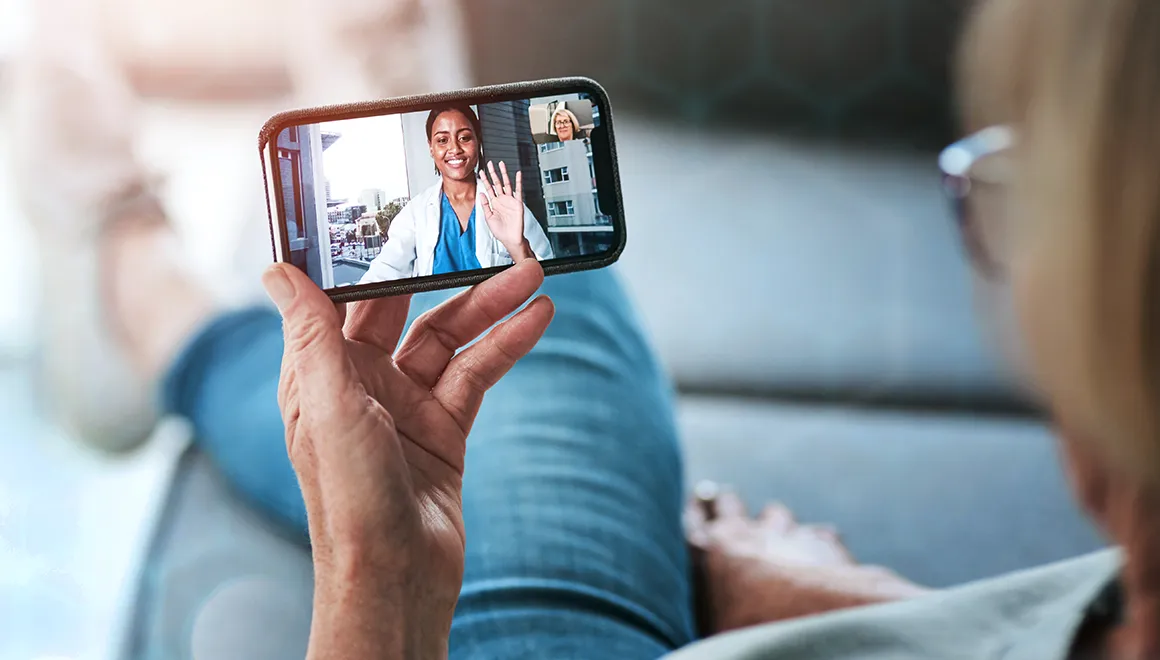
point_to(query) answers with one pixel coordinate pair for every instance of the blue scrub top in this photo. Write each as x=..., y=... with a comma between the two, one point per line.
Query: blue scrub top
x=455, y=251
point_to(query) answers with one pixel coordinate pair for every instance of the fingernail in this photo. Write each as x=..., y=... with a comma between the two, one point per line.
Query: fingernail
x=706, y=491
x=278, y=286
x=706, y=494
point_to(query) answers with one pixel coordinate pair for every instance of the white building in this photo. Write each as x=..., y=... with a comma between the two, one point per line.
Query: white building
x=576, y=224
x=373, y=198
x=575, y=220
x=569, y=183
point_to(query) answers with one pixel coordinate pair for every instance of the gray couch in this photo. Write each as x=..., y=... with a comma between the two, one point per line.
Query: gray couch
x=822, y=334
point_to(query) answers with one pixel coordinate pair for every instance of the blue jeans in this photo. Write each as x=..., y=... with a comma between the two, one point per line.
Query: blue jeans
x=573, y=484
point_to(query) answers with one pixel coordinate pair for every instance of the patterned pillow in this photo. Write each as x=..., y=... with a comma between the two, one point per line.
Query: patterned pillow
x=849, y=69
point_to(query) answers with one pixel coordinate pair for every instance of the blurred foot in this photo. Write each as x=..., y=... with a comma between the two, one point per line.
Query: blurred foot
x=77, y=176
x=750, y=571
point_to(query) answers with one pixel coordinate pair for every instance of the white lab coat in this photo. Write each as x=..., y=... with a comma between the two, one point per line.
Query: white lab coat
x=409, y=250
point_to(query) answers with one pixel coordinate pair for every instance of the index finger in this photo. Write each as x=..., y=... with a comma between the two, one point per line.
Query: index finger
x=496, y=181
x=437, y=335
x=474, y=371
x=507, y=182
x=378, y=322
x=487, y=187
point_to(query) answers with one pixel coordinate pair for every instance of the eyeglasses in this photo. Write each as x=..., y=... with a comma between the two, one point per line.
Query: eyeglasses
x=976, y=171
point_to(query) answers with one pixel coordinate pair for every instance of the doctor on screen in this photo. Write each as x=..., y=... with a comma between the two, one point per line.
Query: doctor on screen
x=471, y=219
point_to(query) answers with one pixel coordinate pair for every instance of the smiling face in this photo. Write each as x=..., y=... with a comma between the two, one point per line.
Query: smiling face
x=454, y=146
x=564, y=129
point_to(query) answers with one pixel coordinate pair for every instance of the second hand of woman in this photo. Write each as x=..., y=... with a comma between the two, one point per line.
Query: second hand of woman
x=504, y=210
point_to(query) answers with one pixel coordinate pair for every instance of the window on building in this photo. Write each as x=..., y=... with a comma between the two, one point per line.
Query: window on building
x=551, y=146
x=561, y=208
x=556, y=175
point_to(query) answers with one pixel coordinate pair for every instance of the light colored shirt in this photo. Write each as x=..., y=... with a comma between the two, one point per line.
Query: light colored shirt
x=1030, y=615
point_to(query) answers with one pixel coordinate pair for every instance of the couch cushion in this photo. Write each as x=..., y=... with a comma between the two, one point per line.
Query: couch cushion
x=766, y=266
x=221, y=582
x=942, y=498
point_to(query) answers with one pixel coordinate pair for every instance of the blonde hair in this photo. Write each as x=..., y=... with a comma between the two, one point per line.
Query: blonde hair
x=1080, y=80
x=571, y=117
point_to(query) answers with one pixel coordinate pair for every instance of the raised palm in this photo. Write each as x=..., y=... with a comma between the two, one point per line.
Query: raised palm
x=503, y=206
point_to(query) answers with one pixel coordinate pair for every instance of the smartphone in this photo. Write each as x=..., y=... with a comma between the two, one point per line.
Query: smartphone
x=433, y=192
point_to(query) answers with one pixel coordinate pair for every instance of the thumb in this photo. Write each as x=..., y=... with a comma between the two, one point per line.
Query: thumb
x=315, y=347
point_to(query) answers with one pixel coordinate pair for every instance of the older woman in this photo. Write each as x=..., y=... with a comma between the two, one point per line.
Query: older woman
x=565, y=125
x=1056, y=194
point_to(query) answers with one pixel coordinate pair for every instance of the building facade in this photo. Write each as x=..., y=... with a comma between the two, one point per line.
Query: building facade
x=373, y=199
x=507, y=138
x=576, y=223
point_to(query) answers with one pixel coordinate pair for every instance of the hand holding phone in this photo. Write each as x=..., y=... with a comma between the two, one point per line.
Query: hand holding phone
x=423, y=193
x=376, y=430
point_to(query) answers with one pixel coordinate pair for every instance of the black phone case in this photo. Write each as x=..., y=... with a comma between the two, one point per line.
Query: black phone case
x=509, y=91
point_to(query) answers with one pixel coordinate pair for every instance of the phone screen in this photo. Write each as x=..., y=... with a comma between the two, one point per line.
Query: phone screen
x=455, y=188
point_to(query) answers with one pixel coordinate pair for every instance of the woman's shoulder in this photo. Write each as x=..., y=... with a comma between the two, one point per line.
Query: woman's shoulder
x=431, y=191
x=425, y=197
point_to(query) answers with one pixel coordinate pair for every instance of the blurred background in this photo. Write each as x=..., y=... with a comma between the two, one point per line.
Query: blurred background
x=870, y=70
x=789, y=250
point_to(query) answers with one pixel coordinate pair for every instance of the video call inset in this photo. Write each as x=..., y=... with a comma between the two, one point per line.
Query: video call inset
x=450, y=190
